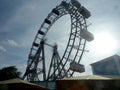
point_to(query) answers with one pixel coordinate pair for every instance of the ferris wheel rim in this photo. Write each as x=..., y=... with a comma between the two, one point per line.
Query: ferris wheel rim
x=73, y=35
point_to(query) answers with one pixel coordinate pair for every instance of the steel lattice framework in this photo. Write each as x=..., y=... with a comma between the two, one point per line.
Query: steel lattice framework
x=75, y=46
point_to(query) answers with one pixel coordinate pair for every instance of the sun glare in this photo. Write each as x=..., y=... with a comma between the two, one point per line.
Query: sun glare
x=104, y=43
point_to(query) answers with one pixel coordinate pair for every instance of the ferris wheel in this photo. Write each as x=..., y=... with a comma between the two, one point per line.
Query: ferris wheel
x=65, y=65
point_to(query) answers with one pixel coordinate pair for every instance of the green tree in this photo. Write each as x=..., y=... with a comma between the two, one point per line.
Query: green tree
x=9, y=73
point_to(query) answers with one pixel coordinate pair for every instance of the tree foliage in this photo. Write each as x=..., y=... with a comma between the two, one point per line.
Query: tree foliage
x=9, y=73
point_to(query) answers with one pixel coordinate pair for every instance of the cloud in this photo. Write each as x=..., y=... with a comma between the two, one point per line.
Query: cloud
x=12, y=42
x=2, y=48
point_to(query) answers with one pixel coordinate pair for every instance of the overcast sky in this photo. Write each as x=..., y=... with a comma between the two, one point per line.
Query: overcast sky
x=21, y=19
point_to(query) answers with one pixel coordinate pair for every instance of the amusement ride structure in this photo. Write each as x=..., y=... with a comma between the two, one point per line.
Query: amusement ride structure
x=60, y=66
